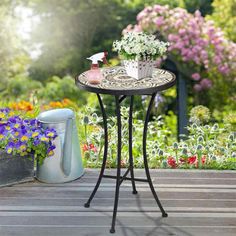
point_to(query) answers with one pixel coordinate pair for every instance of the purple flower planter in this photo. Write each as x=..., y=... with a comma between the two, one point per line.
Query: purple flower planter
x=15, y=169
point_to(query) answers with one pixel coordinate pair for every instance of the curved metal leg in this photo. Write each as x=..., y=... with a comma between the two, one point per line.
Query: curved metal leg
x=87, y=204
x=131, y=164
x=164, y=214
x=118, y=165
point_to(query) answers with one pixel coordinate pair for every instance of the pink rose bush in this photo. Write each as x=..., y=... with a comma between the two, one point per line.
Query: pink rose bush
x=197, y=46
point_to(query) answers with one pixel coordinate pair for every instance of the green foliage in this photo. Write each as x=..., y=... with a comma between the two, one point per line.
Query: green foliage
x=208, y=146
x=224, y=16
x=20, y=87
x=13, y=57
x=204, y=6
x=57, y=89
x=140, y=3
x=93, y=143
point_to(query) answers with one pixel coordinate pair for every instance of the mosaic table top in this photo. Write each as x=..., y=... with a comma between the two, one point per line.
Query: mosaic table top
x=117, y=82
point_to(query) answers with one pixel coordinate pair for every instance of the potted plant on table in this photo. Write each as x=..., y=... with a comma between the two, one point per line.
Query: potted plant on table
x=139, y=52
x=22, y=141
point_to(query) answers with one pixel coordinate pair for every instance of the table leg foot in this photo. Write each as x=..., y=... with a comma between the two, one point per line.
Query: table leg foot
x=112, y=231
x=164, y=215
x=87, y=205
x=135, y=192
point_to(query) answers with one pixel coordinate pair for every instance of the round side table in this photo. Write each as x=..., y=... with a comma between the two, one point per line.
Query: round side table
x=117, y=83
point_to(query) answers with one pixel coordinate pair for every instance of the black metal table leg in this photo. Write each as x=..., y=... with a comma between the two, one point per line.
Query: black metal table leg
x=87, y=204
x=164, y=214
x=118, y=164
x=131, y=164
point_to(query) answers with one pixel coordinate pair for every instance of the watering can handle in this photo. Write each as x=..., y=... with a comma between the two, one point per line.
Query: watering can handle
x=67, y=148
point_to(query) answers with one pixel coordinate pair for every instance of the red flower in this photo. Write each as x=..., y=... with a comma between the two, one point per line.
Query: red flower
x=203, y=159
x=85, y=148
x=171, y=162
x=89, y=147
x=192, y=160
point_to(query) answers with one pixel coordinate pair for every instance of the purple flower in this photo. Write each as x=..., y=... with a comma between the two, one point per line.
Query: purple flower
x=24, y=129
x=14, y=119
x=36, y=142
x=158, y=99
x=144, y=98
x=5, y=110
x=196, y=76
x=10, y=146
x=43, y=138
x=2, y=129
x=224, y=69
x=51, y=133
x=33, y=122
x=50, y=150
x=19, y=133
x=26, y=122
x=206, y=83
x=23, y=146
x=25, y=137
x=16, y=133
x=35, y=134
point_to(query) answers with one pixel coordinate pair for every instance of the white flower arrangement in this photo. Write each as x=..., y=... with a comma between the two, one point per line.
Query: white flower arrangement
x=140, y=46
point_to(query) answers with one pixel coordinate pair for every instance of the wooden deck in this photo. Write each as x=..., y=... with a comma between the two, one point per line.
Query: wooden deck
x=198, y=203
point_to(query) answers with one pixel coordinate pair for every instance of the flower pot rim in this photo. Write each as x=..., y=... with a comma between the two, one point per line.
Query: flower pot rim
x=7, y=156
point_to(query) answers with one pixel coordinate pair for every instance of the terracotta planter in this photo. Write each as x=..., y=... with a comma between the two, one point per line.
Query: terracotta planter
x=139, y=69
x=15, y=169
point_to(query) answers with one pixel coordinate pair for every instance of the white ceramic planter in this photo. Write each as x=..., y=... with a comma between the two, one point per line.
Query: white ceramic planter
x=139, y=69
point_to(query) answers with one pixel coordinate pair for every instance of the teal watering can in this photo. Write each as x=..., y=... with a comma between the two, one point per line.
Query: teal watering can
x=66, y=163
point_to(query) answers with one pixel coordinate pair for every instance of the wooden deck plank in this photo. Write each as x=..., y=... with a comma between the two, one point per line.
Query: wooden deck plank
x=124, y=202
x=120, y=231
x=198, y=203
x=104, y=218
x=78, y=192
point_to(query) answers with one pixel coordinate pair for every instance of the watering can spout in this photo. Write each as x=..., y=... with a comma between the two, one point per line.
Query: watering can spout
x=67, y=148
